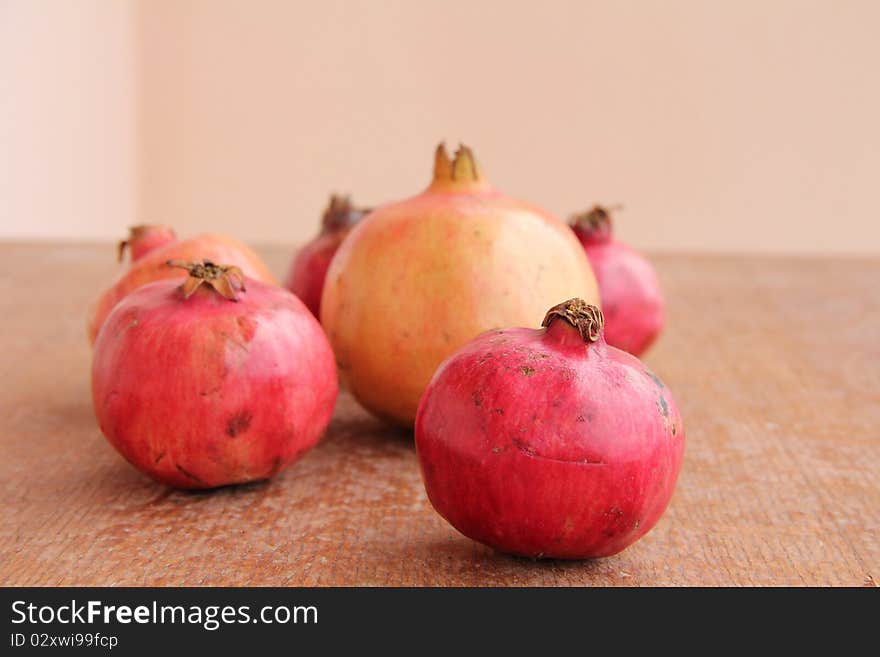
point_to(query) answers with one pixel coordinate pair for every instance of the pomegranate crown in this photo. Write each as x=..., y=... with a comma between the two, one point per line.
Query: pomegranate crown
x=586, y=318
x=341, y=213
x=222, y=278
x=595, y=222
x=460, y=171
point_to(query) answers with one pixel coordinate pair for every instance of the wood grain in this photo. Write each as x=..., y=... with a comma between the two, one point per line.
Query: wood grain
x=775, y=364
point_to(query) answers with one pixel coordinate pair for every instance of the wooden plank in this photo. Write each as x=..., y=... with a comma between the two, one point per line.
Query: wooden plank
x=775, y=364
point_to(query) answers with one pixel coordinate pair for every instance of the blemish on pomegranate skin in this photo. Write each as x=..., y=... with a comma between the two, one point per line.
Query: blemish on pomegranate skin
x=663, y=407
x=186, y=473
x=248, y=327
x=567, y=529
x=478, y=398
x=499, y=411
x=655, y=379
x=235, y=341
x=211, y=391
x=524, y=447
x=238, y=423
x=526, y=370
x=159, y=458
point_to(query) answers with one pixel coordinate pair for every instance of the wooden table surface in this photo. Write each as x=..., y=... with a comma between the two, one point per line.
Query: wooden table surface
x=775, y=364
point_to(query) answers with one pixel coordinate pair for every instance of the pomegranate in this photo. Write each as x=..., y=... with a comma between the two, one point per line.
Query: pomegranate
x=549, y=442
x=152, y=246
x=309, y=267
x=145, y=238
x=417, y=279
x=209, y=382
x=631, y=297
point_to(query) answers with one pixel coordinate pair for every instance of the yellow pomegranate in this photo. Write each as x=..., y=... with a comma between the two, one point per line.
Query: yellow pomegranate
x=417, y=279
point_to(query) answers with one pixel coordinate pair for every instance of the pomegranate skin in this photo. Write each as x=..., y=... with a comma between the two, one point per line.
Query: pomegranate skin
x=205, y=392
x=417, y=279
x=538, y=445
x=631, y=298
x=309, y=267
x=149, y=266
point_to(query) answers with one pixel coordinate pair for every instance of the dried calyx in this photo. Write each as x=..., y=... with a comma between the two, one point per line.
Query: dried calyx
x=223, y=279
x=595, y=222
x=586, y=318
x=459, y=171
x=340, y=214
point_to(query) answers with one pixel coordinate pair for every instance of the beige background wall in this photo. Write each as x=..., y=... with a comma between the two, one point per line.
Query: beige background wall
x=67, y=118
x=722, y=126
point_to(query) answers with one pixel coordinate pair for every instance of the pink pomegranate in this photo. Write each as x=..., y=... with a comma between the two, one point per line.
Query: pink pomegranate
x=145, y=238
x=309, y=268
x=208, y=382
x=549, y=442
x=628, y=286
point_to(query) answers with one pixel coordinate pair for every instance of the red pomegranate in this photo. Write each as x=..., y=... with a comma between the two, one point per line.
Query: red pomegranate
x=309, y=266
x=628, y=286
x=417, y=279
x=199, y=384
x=549, y=442
x=152, y=246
